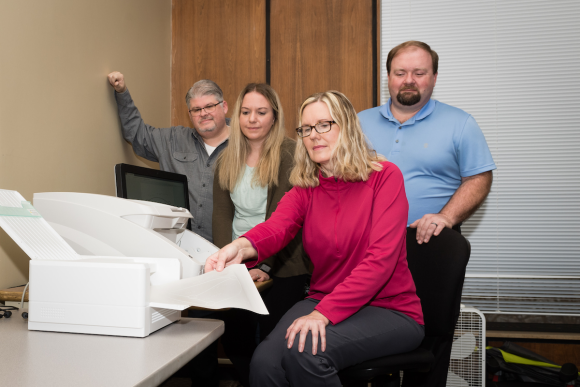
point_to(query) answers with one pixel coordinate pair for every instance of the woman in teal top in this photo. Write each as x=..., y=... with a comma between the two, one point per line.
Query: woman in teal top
x=249, y=202
x=250, y=179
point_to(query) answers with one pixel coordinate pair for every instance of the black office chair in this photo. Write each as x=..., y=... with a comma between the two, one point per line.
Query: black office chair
x=438, y=268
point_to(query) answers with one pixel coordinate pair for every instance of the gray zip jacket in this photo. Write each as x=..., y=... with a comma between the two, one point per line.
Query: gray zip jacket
x=177, y=149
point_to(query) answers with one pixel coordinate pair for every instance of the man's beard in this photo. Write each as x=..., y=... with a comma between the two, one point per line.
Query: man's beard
x=210, y=129
x=407, y=98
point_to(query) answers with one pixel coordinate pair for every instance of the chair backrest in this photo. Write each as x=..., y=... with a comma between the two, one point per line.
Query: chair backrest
x=438, y=268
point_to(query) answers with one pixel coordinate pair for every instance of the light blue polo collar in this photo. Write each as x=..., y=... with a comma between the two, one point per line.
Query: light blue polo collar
x=424, y=112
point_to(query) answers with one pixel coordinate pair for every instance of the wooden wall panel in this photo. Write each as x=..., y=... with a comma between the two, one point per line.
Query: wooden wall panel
x=224, y=41
x=318, y=46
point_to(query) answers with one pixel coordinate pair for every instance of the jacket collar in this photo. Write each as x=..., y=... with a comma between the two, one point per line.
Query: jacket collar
x=200, y=139
x=332, y=183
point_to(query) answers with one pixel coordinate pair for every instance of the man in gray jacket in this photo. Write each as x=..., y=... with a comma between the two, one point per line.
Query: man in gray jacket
x=181, y=149
x=191, y=152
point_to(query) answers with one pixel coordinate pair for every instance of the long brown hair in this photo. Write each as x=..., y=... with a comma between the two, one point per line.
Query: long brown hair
x=231, y=163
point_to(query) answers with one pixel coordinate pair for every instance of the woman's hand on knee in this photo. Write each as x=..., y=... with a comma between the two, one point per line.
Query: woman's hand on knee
x=315, y=322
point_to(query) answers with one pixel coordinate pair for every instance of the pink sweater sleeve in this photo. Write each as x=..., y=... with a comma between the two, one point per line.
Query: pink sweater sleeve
x=386, y=247
x=274, y=234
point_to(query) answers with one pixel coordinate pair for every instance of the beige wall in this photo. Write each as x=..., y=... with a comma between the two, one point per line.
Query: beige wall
x=59, y=130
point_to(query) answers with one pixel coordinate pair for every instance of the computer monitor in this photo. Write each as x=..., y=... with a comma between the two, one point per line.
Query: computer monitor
x=151, y=185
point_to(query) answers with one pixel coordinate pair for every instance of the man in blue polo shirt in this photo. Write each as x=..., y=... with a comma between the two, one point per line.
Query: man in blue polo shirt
x=440, y=149
x=442, y=154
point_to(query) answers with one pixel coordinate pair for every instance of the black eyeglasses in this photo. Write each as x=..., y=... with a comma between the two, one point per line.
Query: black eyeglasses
x=207, y=109
x=321, y=127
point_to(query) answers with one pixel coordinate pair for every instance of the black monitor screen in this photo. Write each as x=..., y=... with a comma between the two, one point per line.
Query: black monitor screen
x=151, y=185
x=155, y=190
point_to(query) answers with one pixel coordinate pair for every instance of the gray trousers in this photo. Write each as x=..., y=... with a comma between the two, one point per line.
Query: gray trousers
x=371, y=332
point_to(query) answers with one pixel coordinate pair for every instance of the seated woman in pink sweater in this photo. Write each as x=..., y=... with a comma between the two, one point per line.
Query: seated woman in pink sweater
x=351, y=208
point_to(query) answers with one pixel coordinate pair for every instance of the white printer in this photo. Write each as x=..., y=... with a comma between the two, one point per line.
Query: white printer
x=106, y=265
x=105, y=225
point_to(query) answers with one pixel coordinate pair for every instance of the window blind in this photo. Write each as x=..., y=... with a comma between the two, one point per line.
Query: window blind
x=514, y=66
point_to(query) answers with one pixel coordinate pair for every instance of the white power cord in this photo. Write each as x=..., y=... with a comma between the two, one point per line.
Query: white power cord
x=23, y=293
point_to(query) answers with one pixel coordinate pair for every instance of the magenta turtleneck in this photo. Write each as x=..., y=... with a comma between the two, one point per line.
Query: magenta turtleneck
x=354, y=234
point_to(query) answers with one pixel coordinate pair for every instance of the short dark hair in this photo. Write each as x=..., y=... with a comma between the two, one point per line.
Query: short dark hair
x=413, y=43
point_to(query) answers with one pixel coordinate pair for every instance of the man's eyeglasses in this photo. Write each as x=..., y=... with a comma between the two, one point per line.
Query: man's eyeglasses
x=321, y=127
x=207, y=109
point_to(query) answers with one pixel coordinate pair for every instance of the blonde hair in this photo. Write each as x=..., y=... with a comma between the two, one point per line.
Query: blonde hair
x=231, y=163
x=352, y=158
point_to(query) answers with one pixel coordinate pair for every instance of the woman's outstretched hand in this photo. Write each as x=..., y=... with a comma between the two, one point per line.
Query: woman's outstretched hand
x=315, y=322
x=236, y=252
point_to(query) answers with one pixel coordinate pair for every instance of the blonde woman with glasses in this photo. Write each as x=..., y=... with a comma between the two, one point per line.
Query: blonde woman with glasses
x=252, y=175
x=351, y=207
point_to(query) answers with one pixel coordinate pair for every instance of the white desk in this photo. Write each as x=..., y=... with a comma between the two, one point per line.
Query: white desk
x=31, y=358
